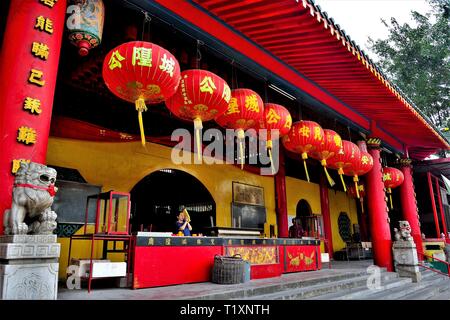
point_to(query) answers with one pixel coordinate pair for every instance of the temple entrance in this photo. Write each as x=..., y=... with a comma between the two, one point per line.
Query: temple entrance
x=304, y=215
x=159, y=197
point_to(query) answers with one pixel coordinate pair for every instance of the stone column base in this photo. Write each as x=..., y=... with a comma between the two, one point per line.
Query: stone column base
x=29, y=267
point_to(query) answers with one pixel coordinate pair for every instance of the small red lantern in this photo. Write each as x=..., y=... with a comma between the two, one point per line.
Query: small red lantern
x=141, y=72
x=352, y=192
x=392, y=178
x=276, y=117
x=330, y=145
x=201, y=96
x=245, y=111
x=304, y=138
x=344, y=158
x=359, y=167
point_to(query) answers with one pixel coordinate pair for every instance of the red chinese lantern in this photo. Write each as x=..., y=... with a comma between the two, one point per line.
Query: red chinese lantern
x=304, y=138
x=141, y=72
x=392, y=178
x=245, y=111
x=276, y=117
x=201, y=96
x=360, y=166
x=344, y=158
x=330, y=145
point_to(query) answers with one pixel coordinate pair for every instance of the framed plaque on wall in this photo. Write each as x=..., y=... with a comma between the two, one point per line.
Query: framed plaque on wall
x=248, y=194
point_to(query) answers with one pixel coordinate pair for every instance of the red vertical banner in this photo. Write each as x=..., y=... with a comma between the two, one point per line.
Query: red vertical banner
x=28, y=68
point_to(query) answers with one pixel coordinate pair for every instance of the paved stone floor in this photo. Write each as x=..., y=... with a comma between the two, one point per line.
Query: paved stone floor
x=189, y=291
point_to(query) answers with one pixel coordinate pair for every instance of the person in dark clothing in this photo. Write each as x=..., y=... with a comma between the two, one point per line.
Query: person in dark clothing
x=183, y=223
x=295, y=231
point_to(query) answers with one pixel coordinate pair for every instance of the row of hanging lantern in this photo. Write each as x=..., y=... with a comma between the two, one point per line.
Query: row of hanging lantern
x=145, y=73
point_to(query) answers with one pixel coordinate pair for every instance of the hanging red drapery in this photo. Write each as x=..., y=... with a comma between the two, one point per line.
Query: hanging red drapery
x=304, y=138
x=330, y=145
x=392, y=178
x=201, y=96
x=245, y=111
x=141, y=72
x=344, y=159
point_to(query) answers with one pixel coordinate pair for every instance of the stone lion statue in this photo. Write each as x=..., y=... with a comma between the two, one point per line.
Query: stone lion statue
x=405, y=231
x=33, y=194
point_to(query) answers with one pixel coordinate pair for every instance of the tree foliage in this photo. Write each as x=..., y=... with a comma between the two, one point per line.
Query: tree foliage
x=417, y=59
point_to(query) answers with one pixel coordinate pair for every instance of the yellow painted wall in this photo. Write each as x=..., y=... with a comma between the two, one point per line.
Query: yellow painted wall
x=120, y=166
x=339, y=201
x=297, y=190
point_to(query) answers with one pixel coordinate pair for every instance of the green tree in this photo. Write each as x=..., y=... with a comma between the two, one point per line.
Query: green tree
x=417, y=59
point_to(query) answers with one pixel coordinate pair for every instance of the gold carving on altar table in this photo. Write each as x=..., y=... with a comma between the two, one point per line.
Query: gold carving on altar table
x=212, y=241
x=255, y=255
x=184, y=241
x=294, y=260
x=199, y=241
x=167, y=242
x=151, y=241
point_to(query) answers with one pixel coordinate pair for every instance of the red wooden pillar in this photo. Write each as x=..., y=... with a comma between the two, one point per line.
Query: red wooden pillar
x=378, y=212
x=28, y=67
x=409, y=205
x=433, y=205
x=325, y=208
x=441, y=209
x=280, y=194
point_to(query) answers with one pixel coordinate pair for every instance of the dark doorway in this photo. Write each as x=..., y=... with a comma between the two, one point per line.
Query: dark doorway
x=303, y=215
x=159, y=197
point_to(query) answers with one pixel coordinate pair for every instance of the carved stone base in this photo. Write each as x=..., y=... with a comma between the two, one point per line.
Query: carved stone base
x=35, y=281
x=29, y=267
x=406, y=261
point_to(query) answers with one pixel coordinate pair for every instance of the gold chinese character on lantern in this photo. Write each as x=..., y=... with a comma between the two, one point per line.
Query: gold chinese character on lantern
x=167, y=65
x=114, y=61
x=365, y=160
x=44, y=24
x=32, y=105
x=200, y=108
x=27, y=135
x=143, y=56
x=387, y=177
x=40, y=50
x=207, y=85
x=16, y=164
x=251, y=103
x=317, y=133
x=337, y=141
x=272, y=117
x=48, y=3
x=304, y=131
x=36, y=77
x=226, y=94
x=233, y=106
x=288, y=122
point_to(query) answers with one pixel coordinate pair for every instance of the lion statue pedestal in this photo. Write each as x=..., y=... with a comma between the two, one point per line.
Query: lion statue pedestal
x=29, y=251
x=405, y=254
